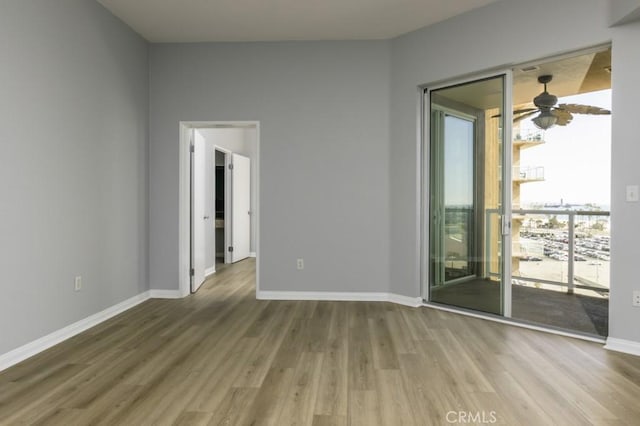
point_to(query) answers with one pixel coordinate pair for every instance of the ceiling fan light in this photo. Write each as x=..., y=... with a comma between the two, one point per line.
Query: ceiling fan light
x=545, y=120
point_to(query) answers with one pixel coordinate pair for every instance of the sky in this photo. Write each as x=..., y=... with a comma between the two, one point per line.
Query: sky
x=576, y=158
x=458, y=162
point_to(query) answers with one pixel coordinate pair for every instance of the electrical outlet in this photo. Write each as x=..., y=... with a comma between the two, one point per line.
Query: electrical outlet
x=636, y=298
x=633, y=193
x=300, y=264
x=78, y=283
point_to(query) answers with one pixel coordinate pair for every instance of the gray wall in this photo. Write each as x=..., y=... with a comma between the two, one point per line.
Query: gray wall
x=625, y=231
x=490, y=37
x=324, y=154
x=73, y=165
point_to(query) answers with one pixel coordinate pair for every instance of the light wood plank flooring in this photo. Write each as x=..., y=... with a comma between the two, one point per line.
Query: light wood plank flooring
x=221, y=357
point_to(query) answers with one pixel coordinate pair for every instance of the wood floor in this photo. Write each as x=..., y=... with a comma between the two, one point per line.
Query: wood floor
x=223, y=358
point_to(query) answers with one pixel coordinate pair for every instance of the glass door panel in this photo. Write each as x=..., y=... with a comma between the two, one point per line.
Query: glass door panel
x=466, y=195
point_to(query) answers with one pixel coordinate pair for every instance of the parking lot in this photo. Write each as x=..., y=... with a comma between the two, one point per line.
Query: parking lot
x=546, y=256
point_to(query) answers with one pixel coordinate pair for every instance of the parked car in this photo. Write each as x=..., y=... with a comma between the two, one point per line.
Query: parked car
x=530, y=259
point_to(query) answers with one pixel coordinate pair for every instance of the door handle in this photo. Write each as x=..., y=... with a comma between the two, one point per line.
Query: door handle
x=206, y=217
x=506, y=226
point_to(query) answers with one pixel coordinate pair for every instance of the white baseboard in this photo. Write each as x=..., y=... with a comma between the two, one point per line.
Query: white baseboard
x=622, y=345
x=210, y=271
x=322, y=295
x=413, y=302
x=30, y=349
x=167, y=294
x=252, y=254
x=340, y=296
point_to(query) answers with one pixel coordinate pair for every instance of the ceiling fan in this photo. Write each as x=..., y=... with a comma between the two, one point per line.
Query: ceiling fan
x=550, y=114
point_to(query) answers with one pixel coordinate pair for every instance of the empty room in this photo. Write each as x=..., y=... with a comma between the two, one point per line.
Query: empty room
x=319, y=213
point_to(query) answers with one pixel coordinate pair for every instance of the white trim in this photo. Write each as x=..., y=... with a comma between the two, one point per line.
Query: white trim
x=507, y=189
x=228, y=204
x=252, y=254
x=184, y=211
x=340, y=297
x=622, y=345
x=257, y=209
x=509, y=321
x=423, y=160
x=30, y=349
x=222, y=150
x=414, y=302
x=322, y=295
x=209, y=271
x=168, y=294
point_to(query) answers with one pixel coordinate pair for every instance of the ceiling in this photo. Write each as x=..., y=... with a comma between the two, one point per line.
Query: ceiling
x=572, y=75
x=280, y=20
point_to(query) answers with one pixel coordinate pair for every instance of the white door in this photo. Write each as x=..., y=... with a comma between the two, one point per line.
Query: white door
x=198, y=216
x=240, y=207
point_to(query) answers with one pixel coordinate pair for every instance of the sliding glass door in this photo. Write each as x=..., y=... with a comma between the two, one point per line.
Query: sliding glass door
x=467, y=219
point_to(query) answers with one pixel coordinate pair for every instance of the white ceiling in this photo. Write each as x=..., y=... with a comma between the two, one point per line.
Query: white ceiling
x=279, y=20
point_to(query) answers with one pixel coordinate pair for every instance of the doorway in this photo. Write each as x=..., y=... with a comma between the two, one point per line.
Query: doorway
x=515, y=222
x=561, y=191
x=194, y=217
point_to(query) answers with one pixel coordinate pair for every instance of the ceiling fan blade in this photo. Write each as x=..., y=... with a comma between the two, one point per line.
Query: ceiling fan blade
x=525, y=115
x=583, y=109
x=564, y=116
x=520, y=111
x=517, y=111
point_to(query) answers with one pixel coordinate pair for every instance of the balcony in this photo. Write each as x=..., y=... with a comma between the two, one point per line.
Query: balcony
x=561, y=263
x=528, y=139
x=559, y=268
x=528, y=174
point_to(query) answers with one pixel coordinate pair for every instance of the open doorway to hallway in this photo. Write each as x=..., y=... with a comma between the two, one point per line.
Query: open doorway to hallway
x=219, y=213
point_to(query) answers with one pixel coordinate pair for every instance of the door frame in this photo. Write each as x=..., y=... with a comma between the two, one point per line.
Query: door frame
x=475, y=118
x=423, y=159
x=184, y=196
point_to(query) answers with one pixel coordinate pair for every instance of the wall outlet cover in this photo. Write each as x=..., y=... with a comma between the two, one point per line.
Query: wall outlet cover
x=633, y=193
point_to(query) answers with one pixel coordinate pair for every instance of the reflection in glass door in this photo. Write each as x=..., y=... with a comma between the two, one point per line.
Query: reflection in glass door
x=453, y=200
x=466, y=195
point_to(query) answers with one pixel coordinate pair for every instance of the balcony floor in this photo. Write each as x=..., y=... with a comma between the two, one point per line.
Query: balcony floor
x=573, y=312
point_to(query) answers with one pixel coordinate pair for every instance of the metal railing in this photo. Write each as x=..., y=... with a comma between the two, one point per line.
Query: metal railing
x=563, y=222
x=529, y=136
x=528, y=173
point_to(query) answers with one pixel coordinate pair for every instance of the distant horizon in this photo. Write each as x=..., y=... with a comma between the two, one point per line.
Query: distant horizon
x=547, y=203
x=568, y=203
